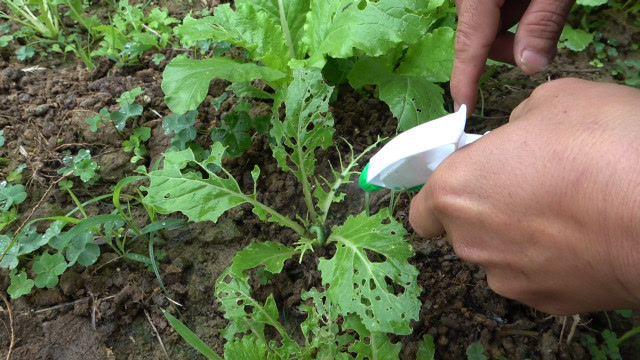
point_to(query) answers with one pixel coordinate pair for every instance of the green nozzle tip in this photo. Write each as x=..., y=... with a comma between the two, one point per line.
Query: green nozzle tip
x=364, y=185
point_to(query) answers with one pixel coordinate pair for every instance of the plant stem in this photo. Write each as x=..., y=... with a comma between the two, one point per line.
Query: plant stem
x=299, y=229
x=629, y=334
x=343, y=177
x=285, y=29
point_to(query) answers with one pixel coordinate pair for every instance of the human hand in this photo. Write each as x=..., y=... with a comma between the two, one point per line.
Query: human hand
x=482, y=33
x=548, y=204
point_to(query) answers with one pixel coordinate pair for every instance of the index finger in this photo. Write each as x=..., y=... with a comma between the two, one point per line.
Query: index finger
x=478, y=23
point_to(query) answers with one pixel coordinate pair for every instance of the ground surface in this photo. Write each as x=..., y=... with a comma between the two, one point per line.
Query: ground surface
x=43, y=114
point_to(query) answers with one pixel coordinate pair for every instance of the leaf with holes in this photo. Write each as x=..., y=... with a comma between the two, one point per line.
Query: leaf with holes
x=370, y=345
x=369, y=274
x=307, y=127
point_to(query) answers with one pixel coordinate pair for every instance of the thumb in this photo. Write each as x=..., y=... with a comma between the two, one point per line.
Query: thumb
x=537, y=36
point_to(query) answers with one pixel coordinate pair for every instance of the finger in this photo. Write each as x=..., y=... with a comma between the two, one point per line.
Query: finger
x=537, y=35
x=422, y=218
x=510, y=14
x=478, y=23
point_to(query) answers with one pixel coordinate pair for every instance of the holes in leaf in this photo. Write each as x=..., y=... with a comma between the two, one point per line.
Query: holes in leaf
x=362, y=5
x=167, y=196
x=364, y=301
x=372, y=285
x=378, y=258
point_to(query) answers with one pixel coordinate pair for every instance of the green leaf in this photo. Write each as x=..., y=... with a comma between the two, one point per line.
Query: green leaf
x=245, y=89
x=126, y=112
x=575, y=39
x=371, y=345
x=31, y=241
x=624, y=313
x=308, y=125
x=427, y=349
x=591, y=2
x=246, y=348
x=48, y=268
x=293, y=11
x=233, y=133
x=190, y=337
x=129, y=97
x=143, y=133
x=81, y=165
x=321, y=326
x=254, y=30
x=82, y=249
x=5, y=40
x=365, y=287
x=611, y=345
x=431, y=58
x=269, y=254
x=186, y=82
x=90, y=224
x=1, y=138
x=413, y=100
x=11, y=195
x=336, y=28
x=9, y=255
x=200, y=199
x=183, y=127
x=20, y=284
x=475, y=352
x=25, y=53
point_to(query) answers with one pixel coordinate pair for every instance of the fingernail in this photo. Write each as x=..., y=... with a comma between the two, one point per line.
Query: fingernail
x=533, y=62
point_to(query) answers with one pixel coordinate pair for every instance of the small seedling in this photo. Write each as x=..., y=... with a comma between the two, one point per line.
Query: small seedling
x=81, y=166
x=182, y=127
x=158, y=58
x=234, y=132
x=136, y=143
x=25, y=53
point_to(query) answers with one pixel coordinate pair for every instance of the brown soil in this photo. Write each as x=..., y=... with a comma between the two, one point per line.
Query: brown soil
x=111, y=310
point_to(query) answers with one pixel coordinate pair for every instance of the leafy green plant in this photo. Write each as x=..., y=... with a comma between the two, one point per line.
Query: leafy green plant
x=368, y=287
x=182, y=127
x=476, y=352
x=69, y=240
x=43, y=19
x=10, y=197
x=130, y=32
x=628, y=70
x=119, y=118
x=408, y=42
x=575, y=39
x=234, y=131
x=610, y=348
x=136, y=143
x=82, y=166
x=128, y=110
x=25, y=53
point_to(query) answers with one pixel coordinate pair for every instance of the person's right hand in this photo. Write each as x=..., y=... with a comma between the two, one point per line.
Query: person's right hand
x=482, y=33
x=548, y=204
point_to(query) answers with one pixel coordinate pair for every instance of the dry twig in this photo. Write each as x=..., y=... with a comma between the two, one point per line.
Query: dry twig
x=155, y=331
x=11, y=327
